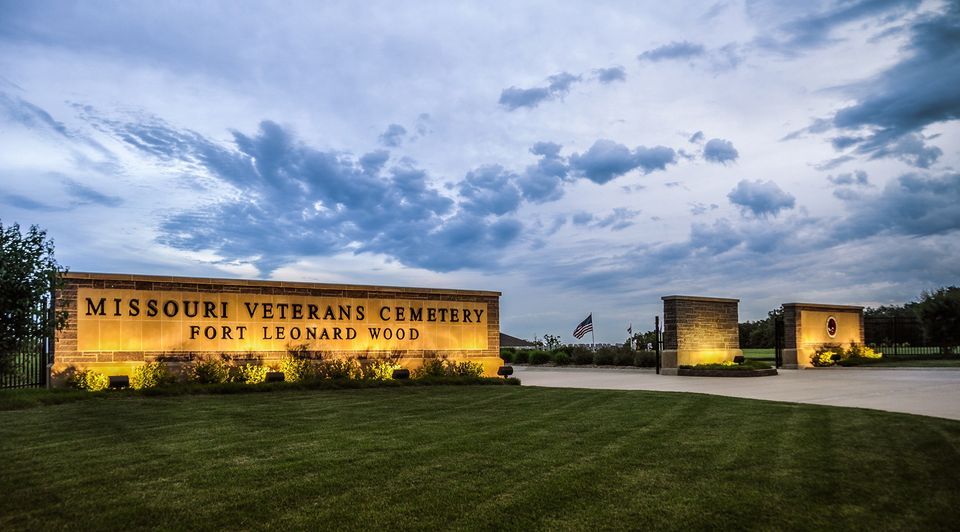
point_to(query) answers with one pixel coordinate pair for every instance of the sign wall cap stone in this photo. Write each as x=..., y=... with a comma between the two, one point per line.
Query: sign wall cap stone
x=700, y=298
x=818, y=306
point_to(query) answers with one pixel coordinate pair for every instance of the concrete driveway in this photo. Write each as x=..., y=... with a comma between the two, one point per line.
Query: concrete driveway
x=924, y=391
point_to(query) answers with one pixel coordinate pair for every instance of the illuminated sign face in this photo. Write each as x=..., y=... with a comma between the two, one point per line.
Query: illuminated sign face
x=832, y=327
x=138, y=320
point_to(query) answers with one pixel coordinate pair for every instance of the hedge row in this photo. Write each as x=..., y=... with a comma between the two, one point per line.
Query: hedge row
x=30, y=397
x=295, y=367
x=604, y=356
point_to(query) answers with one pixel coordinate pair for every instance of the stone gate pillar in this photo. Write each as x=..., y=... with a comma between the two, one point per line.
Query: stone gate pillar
x=807, y=326
x=698, y=330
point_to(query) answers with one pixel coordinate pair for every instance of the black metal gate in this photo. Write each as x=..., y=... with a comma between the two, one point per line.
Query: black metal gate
x=779, y=334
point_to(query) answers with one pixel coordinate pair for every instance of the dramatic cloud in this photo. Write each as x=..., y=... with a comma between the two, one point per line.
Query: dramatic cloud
x=609, y=75
x=543, y=181
x=87, y=195
x=25, y=203
x=582, y=218
x=854, y=178
x=696, y=138
x=557, y=86
x=914, y=93
x=297, y=201
x=761, y=198
x=393, y=136
x=896, y=104
x=489, y=190
x=910, y=149
x=843, y=142
x=913, y=204
x=19, y=110
x=373, y=162
x=621, y=218
x=698, y=208
x=606, y=160
x=720, y=151
x=816, y=29
x=314, y=202
x=673, y=51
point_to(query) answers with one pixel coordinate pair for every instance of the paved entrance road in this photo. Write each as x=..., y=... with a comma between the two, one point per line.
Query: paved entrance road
x=929, y=392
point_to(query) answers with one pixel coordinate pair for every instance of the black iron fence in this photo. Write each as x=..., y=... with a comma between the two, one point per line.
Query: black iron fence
x=30, y=365
x=29, y=369
x=902, y=336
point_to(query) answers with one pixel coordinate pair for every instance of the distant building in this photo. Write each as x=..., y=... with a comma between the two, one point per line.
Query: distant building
x=516, y=343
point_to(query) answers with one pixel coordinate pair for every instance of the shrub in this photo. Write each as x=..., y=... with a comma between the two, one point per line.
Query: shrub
x=252, y=373
x=379, y=370
x=561, y=359
x=604, y=357
x=645, y=359
x=581, y=355
x=297, y=369
x=432, y=367
x=300, y=364
x=539, y=357
x=862, y=351
x=507, y=355
x=339, y=369
x=89, y=380
x=521, y=357
x=826, y=354
x=208, y=371
x=151, y=375
x=440, y=367
x=623, y=357
x=465, y=369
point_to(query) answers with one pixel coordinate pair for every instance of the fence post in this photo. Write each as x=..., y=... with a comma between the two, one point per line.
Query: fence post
x=656, y=340
x=51, y=339
x=778, y=333
x=893, y=328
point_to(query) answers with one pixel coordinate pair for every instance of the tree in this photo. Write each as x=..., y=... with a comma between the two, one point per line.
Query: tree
x=939, y=311
x=890, y=311
x=760, y=333
x=551, y=342
x=29, y=274
x=642, y=340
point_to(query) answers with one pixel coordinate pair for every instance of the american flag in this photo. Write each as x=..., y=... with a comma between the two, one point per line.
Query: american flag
x=584, y=327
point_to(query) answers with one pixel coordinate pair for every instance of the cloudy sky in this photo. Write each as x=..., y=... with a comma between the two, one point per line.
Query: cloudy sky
x=577, y=156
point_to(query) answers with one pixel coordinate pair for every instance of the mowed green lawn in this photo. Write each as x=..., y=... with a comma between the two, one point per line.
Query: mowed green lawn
x=464, y=457
x=760, y=353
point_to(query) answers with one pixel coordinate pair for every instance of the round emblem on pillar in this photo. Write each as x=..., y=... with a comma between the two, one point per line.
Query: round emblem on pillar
x=831, y=327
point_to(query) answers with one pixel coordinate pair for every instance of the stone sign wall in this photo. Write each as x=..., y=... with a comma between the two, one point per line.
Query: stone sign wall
x=698, y=330
x=116, y=322
x=807, y=326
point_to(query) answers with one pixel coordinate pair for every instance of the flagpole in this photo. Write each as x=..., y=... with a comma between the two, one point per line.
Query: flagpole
x=593, y=341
